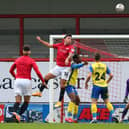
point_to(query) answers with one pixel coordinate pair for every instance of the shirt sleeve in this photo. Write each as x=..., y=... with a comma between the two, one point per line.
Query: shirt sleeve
x=35, y=67
x=56, y=45
x=108, y=70
x=91, y=69
x=72, y=50
x=13, y=67
x=76, y=66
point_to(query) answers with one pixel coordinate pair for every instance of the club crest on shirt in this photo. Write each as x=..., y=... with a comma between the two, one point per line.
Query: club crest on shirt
x=72, y=50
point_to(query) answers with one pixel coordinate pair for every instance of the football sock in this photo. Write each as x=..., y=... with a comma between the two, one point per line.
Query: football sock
x=110, y=107
x=94, y=111
x=16, y=106
x=42, y=87
x=62, y=91
x=23, y=108
x=70, y=107
x=75, y=112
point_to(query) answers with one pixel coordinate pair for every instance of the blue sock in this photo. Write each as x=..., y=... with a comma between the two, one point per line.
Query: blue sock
x=69, y=114
x=75, y=117
x=111, y=112
x=94, y=115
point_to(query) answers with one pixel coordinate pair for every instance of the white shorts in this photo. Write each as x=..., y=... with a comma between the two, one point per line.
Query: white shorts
x=64, y=72
x=23, y=87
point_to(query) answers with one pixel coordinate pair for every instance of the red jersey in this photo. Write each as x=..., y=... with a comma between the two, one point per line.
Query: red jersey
x=23, y=66
x=62, y=53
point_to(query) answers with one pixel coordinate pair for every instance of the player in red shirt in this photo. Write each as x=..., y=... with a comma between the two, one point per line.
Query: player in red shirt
x=65, y=52
x=23, y=84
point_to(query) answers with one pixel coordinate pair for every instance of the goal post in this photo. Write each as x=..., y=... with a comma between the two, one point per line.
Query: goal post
x=115, y=37
x=51, y=89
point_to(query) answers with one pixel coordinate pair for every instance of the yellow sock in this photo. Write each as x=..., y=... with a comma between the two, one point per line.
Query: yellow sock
x=75, y=109
x=70, y=107
x=75, y=112
x=93, y=108
x=94, y=111
x=109, y=106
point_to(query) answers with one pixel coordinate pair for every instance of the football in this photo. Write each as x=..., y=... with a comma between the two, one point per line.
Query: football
x=119, y=7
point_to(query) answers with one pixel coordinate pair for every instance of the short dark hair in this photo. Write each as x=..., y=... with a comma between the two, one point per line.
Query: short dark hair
x=69, y=34
x=75, y=56
x=97, y=56
x=26, y=48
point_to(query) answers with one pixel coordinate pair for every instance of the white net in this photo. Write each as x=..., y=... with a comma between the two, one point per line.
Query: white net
x=115, y=86
x=109, y=48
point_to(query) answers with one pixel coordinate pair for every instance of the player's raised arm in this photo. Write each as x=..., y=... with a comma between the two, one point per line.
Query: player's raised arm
x=13, y=67
x=44, y=42
x=76, y=66
x=78, y=62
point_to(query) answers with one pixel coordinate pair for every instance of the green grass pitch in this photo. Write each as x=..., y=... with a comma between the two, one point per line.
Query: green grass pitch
x=63, y=126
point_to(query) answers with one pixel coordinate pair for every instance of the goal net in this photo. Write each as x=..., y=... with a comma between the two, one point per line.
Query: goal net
x=114, y=52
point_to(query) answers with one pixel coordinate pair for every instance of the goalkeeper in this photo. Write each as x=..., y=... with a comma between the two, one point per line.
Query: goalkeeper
x=71, y=90
x=126, y=92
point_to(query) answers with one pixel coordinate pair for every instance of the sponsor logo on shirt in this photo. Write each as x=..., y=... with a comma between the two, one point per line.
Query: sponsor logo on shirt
x=67, y=48
x=63, y=50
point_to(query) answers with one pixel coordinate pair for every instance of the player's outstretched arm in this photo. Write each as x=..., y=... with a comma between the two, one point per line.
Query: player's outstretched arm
x=44, y=42
x=77, y=66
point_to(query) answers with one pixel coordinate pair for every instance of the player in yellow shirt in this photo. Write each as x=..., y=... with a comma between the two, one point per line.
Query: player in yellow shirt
x=98, y=73
x=71, y=89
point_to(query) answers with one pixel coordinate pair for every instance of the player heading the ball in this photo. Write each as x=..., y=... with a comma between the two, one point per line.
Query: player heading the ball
x=65, y=52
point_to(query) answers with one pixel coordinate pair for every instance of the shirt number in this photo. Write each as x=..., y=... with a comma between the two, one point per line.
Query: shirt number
x=99, y=77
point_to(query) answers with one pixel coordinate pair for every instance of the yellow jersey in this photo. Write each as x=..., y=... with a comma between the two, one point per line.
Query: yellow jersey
x=99, y=71
x=74, y=74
